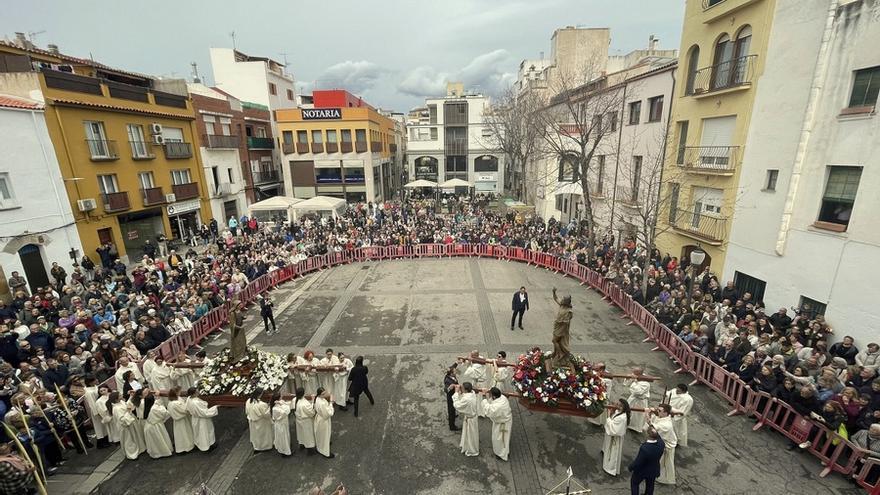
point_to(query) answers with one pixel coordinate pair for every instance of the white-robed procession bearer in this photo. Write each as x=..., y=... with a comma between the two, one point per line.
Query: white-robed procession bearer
x=183, y=377
x=161, y=377
x=92, y=393
x=682, y=403
x=182, y=424
x=304, y=414
x=615, y=430
x=125, y=421
x=639, y=394
x=156, y=435
x=475, y=373
x=149, y=364
x=139, y=411
x=202, y=424
x=340, y=382
x=496, y=407
x=281, y=425
x=259, y=417
x=308, y=378
x=326, y=379
x=124, y=365
x=106, y=413
x=292, y=382
x=661, y=420
x=465, y=402
x=323, y=425
x=500, y=374
x=600, y=419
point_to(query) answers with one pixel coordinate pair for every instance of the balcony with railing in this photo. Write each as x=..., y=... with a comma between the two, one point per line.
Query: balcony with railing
x=141, y=150
x=218, y=141
x=317, y=147
x=716, y=160
x=288, y=147
x=345, y=147
x=260, y=143
x=266, y=176
x=730, y=75
x=332, y=147
x=709, y=228
x=102, y=150
x=189, y=190
x=302, y=147
x=115, y=201
x=176, y=150
x=456, y=147
x=360, y=146
x=376, y=146
x=152, y=196
x=627, y=196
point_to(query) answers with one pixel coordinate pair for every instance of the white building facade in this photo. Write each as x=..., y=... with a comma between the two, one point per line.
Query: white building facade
x=805, y=229
x=450, y=140
x=37, y=226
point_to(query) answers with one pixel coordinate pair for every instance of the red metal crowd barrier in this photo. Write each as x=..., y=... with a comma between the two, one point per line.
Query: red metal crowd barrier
x=459, y=250
x=868, y=475
x=423, y=250
x=399, y=252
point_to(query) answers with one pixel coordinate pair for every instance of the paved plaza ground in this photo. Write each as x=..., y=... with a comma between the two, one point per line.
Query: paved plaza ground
x=410, y=319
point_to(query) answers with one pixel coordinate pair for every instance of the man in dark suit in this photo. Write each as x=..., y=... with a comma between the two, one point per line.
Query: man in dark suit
x=646, y=466
x=519, y=306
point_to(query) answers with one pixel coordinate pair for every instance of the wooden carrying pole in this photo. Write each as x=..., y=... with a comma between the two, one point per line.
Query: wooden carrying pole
x=51, y=424
x=21, y=450
x=641, y=378
x=33, y=443
x=72, y=419
x=295, y=367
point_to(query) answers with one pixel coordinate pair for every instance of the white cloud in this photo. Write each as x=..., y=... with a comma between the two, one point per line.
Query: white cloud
x=355, y=76
x=486, y=73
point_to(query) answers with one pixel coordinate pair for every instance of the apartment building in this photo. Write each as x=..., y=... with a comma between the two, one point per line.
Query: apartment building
x=805, y=228
x=36, y=222
x=124, y=147
x=723, y=55
x=236, y=149
x=449, y=139
x=340, y=147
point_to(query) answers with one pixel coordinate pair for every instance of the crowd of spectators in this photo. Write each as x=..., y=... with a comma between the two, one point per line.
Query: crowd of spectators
x=80, y=327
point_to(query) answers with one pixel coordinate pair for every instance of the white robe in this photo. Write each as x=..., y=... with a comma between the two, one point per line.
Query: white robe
x=666, y=430
x=501, y=377
x=326, y=379
x=681, y=403
x=260, y=424
x=161, y=379
x=281, y=426
x=639, y=393
x=340, y=383
x=139, y=425
x=202, y=424
x=155, y=433
x=600, y=419
x=466, y=405
x=292, y=381
x=309, y=379
x=121, y=371
x=323, y=426
x=126, y=423
x=91, y=397
x=184, y=377
x=612, y=447
x=476, y=374
x=111, y=426
x=148, y=365
x=304, y=412
x=183, y=432
x=498, y=411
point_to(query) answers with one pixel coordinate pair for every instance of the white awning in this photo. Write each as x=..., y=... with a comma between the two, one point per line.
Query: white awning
x=420, y=183
x=568, y=188
x=455, y=183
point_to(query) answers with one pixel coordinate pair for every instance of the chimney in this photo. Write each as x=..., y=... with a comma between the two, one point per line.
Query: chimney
x=196, y=78
x=53, y=49
x=652, y=42
x=20, y=40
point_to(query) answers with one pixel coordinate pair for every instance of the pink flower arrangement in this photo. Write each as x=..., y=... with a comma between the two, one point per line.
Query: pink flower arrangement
x=581, y=384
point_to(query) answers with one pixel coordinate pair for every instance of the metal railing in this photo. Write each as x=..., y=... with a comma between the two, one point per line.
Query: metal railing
x=116, y=201
x=189, y=190
x=288, y=147
x=626, y=195
x=263, y=176
x=730, y=74
x=456, y=147
x=176, y=149
x=261, y=143
x=220, y=141
x=152, y=196
x=140, y=150
x=102, y=149
x=710, y=159
x=711, y=228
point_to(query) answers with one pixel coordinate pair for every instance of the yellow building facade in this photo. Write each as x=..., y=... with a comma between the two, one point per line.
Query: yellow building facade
x=345, y=152
x=722, y=56
x=128, y=152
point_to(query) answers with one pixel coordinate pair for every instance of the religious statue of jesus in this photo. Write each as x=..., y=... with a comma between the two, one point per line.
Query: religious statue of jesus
x=561, y=330
x=238, y=337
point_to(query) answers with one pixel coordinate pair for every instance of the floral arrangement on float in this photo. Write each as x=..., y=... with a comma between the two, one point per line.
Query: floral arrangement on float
x=257, y=369
x=577, y=388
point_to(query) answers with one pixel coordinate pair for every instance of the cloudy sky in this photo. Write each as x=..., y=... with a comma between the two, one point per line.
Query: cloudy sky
x=392, y=52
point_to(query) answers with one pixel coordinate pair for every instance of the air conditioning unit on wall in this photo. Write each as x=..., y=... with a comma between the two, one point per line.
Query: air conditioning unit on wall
x=155, y=128
x=170, y=198
x=86, y=204
x=158, y=139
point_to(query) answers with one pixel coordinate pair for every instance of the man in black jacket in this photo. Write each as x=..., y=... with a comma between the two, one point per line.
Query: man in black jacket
x=267, y=313
x=449, y=383
x=646, y=466
x=519, y=305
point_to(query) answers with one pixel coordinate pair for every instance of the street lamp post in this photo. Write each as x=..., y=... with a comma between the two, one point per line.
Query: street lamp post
x=697, y=257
